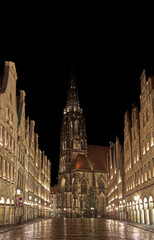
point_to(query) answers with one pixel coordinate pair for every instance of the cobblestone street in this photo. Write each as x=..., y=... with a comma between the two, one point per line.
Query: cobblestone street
x=76, y=228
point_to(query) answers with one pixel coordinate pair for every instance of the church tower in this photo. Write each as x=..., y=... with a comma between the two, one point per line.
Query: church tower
x=73, y=132
x=80, y=165
x=72, y=143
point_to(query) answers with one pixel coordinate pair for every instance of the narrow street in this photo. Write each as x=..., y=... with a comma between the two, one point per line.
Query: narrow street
x=76, y=228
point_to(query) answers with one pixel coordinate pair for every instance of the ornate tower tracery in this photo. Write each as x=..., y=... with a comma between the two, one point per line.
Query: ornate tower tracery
x=73, y=133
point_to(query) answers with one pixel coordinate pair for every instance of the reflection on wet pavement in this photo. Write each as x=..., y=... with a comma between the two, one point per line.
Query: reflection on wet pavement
x=76, y=228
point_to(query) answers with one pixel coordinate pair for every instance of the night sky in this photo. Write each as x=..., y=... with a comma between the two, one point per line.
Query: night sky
x=108, y=61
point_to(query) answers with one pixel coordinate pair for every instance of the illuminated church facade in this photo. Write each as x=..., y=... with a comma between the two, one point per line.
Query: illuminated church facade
x=80, y=165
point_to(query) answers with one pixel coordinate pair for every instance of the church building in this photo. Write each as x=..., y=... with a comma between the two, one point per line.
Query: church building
x=80, y=165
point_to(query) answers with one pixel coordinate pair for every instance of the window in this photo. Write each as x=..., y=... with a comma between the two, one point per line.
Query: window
x=142, y=180
x=145, y=173
x=8, y=171
x=134, y=156
x=7, y=114
x=1, y=135
x=0, y=166
x=149, y=170
x=101, y=186
x=83, y=187
x=138, y=177
x=148, y=142
x=13, y=146
x=147, y=114
x=11, y=119
x=143, y=147
x=152, y=137
x=12, y=174
x=134, y=134
x=153, y=167
x=4, y=169
x=137, y=153
x=81, y=204
x=143, y=119
x=6, y=139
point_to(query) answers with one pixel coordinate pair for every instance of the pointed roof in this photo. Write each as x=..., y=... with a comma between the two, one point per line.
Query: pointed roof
x=97, y=158
x=73, y=98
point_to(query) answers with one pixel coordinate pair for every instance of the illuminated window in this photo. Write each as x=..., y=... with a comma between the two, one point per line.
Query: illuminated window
x=8, y=171
x=6, y=139
x=11, y=119
x=152, y=138
x=13, y=146
x=149, y=170
x=4, y=169
x=137, y=153
x=142, y=179
x=143, y=147
x=2, y=201
x=136, y=178
x=145, y=173
x=0, y=166
x=139, y=177
x=148, y=142
x=12, y=174
x=7, y=114
x=134, y=156
x=153, y=166
x=1, y=135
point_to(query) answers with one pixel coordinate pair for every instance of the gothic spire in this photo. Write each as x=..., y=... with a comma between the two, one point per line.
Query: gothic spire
x=73, y=104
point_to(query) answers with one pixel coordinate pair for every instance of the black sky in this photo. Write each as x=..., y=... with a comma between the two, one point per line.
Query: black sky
x=108, y=54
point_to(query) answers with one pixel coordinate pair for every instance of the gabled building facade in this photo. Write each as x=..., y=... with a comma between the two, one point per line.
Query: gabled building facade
x=139, y=156
x=24, y=168
x=116, y=181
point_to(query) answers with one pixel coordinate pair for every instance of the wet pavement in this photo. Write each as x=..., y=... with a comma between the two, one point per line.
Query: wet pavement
x=76, y=228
